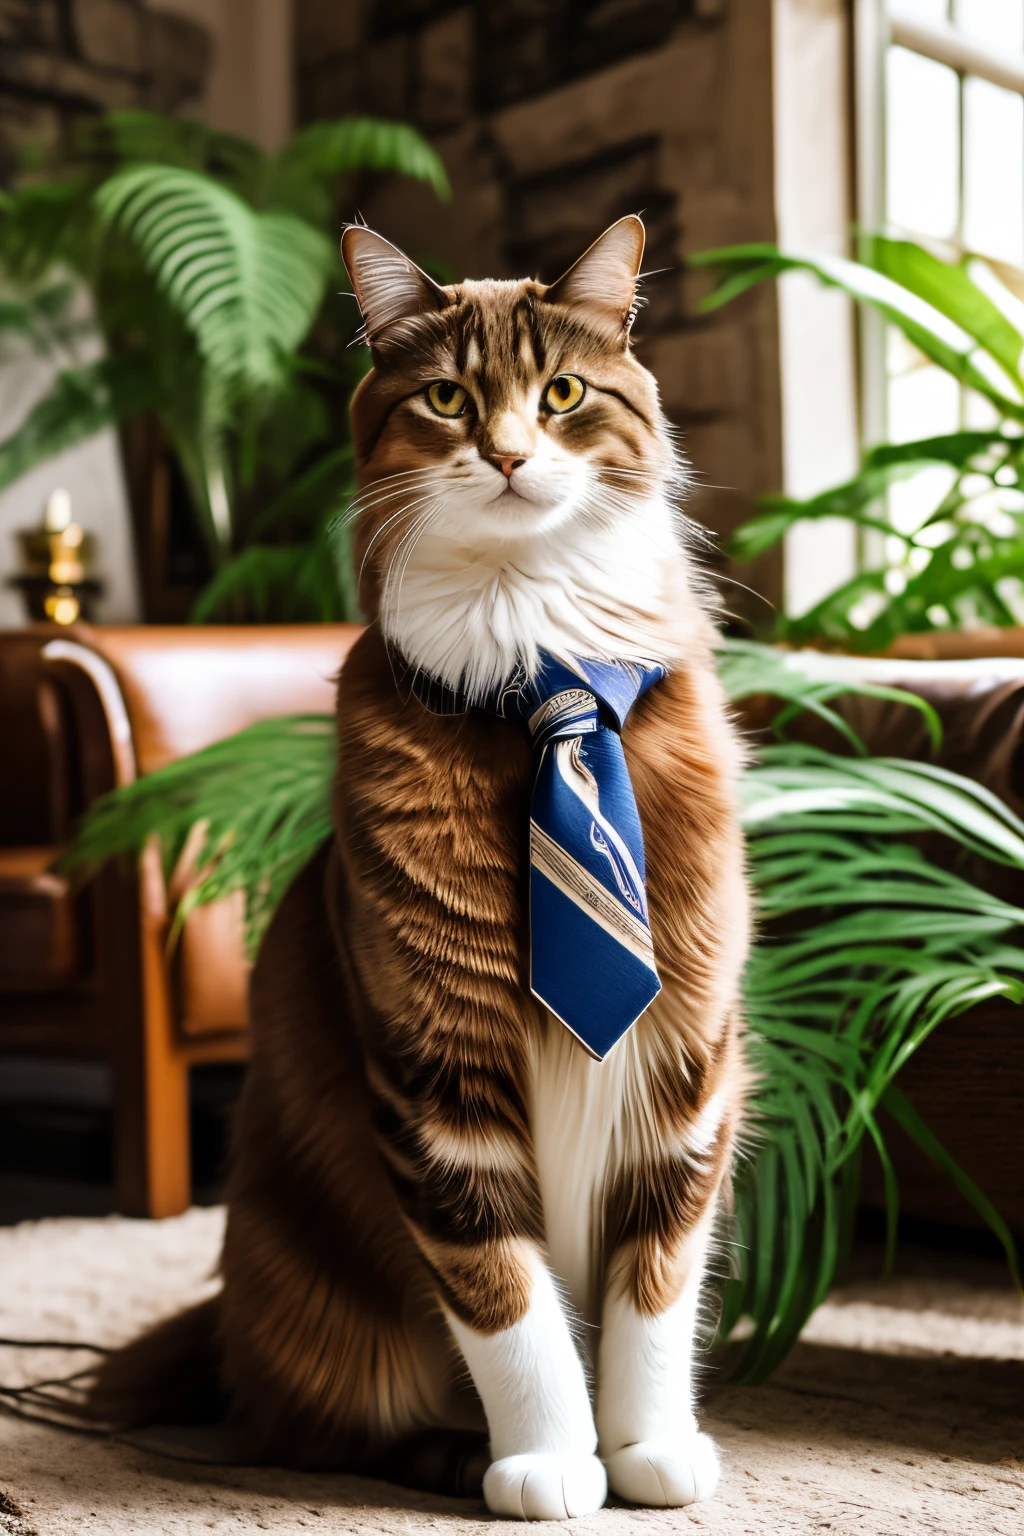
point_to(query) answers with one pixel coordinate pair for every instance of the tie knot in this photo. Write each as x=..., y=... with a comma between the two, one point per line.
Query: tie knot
x=570, y=712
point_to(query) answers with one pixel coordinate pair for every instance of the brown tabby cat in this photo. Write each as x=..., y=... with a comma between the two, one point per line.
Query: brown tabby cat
x=431, y=1172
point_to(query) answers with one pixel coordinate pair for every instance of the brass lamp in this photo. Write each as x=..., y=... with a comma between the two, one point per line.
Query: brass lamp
x=56, y=565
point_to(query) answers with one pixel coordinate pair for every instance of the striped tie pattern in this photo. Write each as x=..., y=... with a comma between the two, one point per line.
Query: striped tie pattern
x=591, y=953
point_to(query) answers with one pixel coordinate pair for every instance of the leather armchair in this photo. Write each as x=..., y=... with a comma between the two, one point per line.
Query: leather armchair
x=87, y=974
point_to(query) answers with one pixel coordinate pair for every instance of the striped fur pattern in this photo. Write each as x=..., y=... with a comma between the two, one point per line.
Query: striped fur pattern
x=444, y=1216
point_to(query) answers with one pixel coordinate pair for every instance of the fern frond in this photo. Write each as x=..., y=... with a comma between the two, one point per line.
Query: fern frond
x=262, y=797
x=81, y=402
x=134, y=137
x=309, y=582
x=43, y=315
x=327, y=150
x=42, y=224
x=247, y=285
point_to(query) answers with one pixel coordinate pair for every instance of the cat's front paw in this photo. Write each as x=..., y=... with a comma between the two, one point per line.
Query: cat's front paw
x=545, y=1486
x=665, y=1473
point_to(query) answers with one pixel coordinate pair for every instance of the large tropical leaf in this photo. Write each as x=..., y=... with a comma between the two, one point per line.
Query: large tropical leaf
x=254, y=839
x=81, y=402
x=857, y=499
x=866, y=947
x=959, y=562
x=942, y=340
x=948, y=287
x=246, y=284
x=43, y=224
x=327, y=150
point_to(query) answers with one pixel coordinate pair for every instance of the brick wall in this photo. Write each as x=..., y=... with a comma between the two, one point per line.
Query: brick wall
x=60, y=59
x=554, y=118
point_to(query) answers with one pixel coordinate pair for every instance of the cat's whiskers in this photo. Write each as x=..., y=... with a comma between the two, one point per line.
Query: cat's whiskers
x=366, y=500
x=408, y=510
x=411, y=537
x=415, y=528
x=388, y=485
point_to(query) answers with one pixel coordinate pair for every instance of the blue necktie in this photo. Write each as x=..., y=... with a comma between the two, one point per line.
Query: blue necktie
x=591, y=955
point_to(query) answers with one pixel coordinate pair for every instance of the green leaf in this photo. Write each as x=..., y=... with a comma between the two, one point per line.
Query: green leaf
x=311, y=582
x=246, y=284
x=43, y=316
x=327, y=484
x=132, y=137
x=948, y=288
x=882, y=467
x=263, y=797
x=82, y=402
x=327, y=150
x=955, y=448
x=42, y=224
x=941, y=339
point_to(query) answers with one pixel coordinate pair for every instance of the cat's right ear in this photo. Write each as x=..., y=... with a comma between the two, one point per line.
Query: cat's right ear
x=387, y=285
x=603, y=281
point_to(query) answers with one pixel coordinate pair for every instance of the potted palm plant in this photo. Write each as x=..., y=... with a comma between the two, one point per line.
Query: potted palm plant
x=212, y=272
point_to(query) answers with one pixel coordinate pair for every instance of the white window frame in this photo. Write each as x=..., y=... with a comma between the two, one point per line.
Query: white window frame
x=817, y=335
x=944, y=43
x=877, y=25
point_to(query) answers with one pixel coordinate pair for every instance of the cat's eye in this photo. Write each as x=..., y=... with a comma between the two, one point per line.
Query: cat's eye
x=564, y=393
x=446, y=398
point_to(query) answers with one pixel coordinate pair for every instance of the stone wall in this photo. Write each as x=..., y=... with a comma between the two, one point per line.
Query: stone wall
x=554, y=118
x=60, y=59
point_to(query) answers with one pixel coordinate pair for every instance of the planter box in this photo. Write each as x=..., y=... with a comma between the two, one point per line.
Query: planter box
x=959, y=644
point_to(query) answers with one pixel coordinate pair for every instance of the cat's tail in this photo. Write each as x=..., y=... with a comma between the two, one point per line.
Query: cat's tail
x=169, y=1375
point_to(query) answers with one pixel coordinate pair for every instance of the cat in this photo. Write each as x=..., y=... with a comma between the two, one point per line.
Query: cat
x=455, y=1240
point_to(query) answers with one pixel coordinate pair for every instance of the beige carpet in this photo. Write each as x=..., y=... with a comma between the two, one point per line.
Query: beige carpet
x=902, y=1411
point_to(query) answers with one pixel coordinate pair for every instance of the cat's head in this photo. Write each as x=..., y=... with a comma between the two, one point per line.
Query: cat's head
x=499, y=413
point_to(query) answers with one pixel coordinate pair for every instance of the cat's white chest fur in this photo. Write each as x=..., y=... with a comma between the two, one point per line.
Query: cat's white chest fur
x=590, y=1120
x=468, y=612
x=577, y=1110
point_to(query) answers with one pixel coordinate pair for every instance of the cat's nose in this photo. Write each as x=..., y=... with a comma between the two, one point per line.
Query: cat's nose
x=506, y=462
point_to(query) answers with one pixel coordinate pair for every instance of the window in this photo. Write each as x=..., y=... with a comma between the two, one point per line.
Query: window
x=941, y=139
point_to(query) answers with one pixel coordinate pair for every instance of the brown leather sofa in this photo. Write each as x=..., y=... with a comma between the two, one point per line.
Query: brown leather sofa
x=87, y=974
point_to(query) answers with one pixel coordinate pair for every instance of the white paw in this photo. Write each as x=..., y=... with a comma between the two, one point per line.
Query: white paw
x=665, y=1473
x=545, y=1486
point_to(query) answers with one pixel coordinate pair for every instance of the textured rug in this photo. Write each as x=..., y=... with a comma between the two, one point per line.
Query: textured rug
x=901, y=1411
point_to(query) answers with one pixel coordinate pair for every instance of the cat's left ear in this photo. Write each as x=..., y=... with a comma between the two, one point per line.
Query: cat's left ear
x=603, y=281
x=388, y=286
